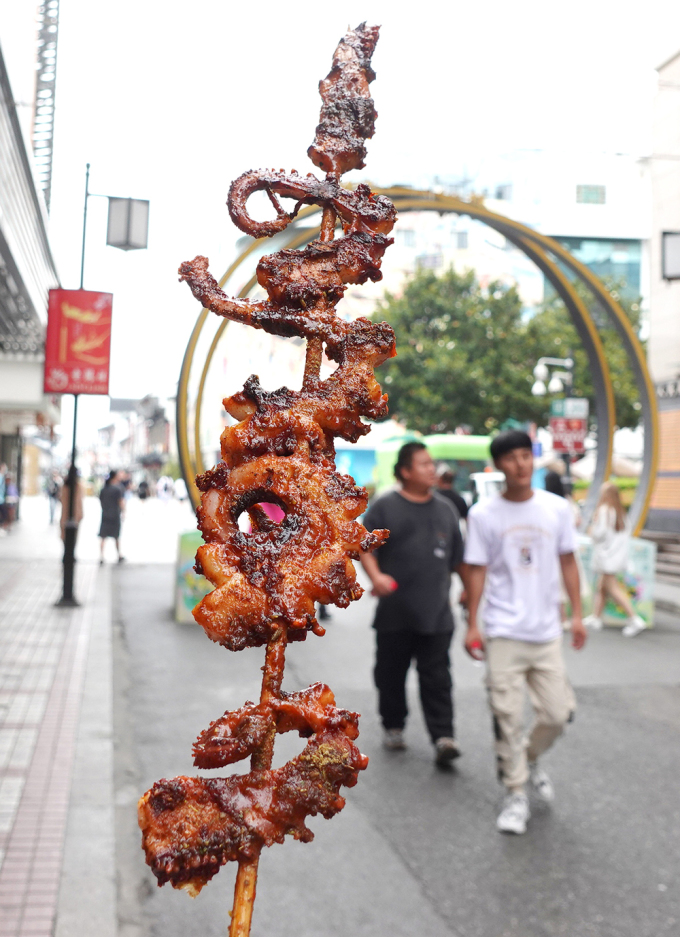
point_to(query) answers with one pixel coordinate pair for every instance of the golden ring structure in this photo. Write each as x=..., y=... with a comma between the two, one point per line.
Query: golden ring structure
x=550, y=258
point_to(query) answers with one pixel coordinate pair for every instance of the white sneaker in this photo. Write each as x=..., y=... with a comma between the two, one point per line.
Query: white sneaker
x=393, y=740
x=593, y=622
x=514, y=815
x=635, y=626
x=541, y=783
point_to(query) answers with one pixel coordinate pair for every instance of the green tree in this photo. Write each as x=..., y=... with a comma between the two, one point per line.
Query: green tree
x=466, y=355
x=462, y=354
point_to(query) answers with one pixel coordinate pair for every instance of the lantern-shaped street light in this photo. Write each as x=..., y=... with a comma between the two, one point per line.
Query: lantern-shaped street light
x=128, y=225
x=558, y=378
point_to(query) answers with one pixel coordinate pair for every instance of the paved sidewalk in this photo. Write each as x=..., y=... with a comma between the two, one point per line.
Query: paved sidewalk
x=56, y=727
x=44, y=661
x=46, y=657
x=667, y=596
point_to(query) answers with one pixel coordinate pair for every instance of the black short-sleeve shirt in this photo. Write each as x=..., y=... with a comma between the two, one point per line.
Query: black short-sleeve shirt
x=424, y=545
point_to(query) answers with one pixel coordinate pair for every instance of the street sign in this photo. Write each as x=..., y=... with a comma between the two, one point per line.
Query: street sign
x=568, y=433
x=576, y=408
x=78, y=342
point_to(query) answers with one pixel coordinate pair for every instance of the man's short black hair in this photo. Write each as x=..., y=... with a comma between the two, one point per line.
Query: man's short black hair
x=509, y=440
x=405, y=456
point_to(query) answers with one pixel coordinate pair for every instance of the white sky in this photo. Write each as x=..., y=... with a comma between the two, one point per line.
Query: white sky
x=171, y=101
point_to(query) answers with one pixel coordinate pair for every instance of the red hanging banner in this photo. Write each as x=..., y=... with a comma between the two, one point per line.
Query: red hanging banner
x=78, y=342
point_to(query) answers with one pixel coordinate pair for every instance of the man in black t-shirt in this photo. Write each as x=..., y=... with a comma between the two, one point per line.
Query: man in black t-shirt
x=411, y=575
x=445, y=480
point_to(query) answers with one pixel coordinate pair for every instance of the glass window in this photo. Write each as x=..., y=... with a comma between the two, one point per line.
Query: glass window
x=429, y=261
x=406, y=237
x=617, y=261
x=671, y=255
x=591, y=194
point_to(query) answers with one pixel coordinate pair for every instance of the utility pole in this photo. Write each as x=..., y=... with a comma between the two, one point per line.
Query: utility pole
x=68, y=599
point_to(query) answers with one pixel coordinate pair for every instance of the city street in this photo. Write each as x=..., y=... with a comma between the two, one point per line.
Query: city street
x=414, y=852
x=468, y=290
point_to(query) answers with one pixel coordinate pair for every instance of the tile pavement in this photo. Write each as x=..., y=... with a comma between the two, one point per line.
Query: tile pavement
x=57, y=843
x=43, y=664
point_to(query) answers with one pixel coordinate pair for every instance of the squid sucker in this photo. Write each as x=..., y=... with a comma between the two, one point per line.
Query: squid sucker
x=280, y=451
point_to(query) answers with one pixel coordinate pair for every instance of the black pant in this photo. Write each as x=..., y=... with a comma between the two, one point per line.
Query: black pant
x=394, y=652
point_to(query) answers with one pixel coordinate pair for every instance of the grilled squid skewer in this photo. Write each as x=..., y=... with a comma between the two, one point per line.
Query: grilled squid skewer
x=281, y=451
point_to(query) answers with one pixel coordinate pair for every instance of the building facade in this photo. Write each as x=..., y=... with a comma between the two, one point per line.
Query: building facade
x=664, y=312
x=27, y=272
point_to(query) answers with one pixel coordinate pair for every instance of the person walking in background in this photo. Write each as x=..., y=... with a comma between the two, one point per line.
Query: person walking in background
x=445, y=483
x=164, y=488
x=112, y=499
x=3, y=493
x=77, y=503
x=553, y=483
x=53, y=490
x=561, y=487
x=517, y=542
x=611, y=543
x=411, y=575
x=11, y=501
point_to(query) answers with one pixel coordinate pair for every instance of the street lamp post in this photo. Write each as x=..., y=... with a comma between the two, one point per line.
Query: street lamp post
x=557, y=382
x=558, y=378
x=127, y=229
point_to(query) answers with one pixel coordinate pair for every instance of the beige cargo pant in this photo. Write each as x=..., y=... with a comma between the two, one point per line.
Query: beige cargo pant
x=513, y=666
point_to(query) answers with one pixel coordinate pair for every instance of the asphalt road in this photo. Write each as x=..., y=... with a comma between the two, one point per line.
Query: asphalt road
x=415, y=852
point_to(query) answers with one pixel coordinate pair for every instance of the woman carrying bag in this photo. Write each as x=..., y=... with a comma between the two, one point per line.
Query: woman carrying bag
x=611, y=542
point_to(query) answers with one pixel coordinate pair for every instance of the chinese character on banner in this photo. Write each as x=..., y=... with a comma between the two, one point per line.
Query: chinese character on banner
x=569, y=434
x=77, y=346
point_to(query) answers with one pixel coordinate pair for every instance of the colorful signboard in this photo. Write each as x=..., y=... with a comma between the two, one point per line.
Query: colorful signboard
x=77, y=346
x=189, y=586
x=569, y=434
x=638, y=581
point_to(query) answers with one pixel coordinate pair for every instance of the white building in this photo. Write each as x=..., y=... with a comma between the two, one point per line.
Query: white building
x=664, y=310
x=597, y=205
x=140, y=438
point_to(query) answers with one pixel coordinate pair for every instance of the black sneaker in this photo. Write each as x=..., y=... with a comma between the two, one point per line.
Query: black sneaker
x=446, y=751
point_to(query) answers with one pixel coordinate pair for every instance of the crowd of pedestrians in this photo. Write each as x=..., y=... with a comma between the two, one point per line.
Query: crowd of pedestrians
x=118, y=487
x=519, y=566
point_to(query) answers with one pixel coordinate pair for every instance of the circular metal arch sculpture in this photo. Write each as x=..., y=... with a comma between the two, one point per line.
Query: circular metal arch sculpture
x=549, y=256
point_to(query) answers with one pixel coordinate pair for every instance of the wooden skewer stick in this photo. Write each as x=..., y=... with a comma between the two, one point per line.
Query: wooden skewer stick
x=244, y=898
x=313, y=358
x=314, y=353
x=261, y=760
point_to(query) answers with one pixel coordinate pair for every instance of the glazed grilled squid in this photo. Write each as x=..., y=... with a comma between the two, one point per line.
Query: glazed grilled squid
x=281, y=451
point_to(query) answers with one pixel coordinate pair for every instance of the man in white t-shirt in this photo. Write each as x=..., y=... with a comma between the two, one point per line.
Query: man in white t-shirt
x=517, y=545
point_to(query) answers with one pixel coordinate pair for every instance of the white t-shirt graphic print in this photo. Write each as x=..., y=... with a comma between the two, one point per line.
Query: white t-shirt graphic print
x=520, y=543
